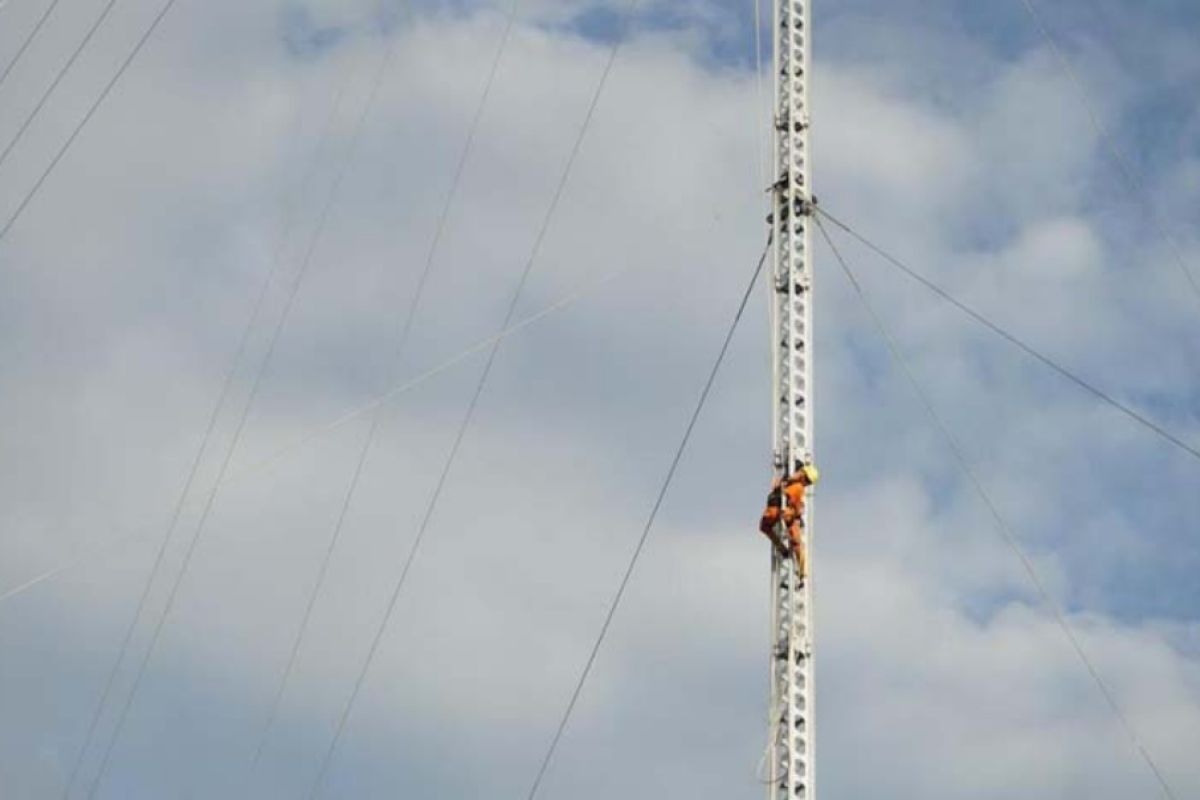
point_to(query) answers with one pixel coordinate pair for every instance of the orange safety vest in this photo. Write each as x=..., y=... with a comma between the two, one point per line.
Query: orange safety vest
x=793, y=489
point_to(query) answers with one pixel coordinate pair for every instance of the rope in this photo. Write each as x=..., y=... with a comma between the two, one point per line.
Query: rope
x=137, y=48
x=377, y=414
x=1012, y=339
x=1001, y=525
x=637, y=552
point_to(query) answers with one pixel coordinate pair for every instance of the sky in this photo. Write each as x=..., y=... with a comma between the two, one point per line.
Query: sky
x=945, y=130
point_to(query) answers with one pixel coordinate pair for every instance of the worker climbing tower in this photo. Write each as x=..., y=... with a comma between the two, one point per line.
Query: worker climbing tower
x=790, y=756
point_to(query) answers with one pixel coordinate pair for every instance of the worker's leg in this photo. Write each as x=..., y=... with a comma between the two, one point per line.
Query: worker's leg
x=769, y=527
x=766, y=525
x=799, y=551
x=780, y=544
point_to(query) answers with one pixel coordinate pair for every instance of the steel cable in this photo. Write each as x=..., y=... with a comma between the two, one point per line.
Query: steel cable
x=37, y=28
x=377, y=414
x=1028, y=349
x=641, y=544
x=238, y=473
x=58, y=78
x=1001, y=524
x=277, y=262
x=464, y=425
x=1125, y=166
x=62, y=151
x=293, y=292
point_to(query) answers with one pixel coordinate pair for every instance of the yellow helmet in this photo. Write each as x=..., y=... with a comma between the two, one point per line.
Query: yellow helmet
x=811, y=473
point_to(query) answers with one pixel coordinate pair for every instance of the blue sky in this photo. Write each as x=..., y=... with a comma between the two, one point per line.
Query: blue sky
x=946, y=131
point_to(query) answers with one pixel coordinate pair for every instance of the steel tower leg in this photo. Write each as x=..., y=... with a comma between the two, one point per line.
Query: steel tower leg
x=790, y=761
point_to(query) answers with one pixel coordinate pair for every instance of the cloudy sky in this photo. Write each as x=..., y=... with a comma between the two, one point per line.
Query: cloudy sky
x=946, y=130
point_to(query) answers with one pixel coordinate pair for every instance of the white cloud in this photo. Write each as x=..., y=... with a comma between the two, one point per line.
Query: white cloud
x=127, y=282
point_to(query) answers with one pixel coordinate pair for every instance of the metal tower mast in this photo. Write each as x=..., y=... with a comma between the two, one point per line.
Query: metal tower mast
x=790, y=757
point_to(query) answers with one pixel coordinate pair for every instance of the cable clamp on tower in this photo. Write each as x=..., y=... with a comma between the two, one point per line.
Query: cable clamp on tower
x=802, y=284
x=784, y=124
x=784, y=651
x=799, y=205
x=803, y=649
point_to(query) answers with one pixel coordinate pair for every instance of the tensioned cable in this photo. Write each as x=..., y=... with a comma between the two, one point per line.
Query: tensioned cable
x=62, y=73
x=1124, y=165
x=392, y=393
x=1028, y=349
x=432, y=372
x=377, y=414
x=763, y=121
x=277, y=262
x=37, y=28
x=759, y=98
x=197, y=535
x=414, y=548
x=641, y=544
x=1001, y=524
x=62, y=151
